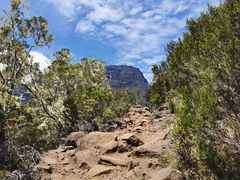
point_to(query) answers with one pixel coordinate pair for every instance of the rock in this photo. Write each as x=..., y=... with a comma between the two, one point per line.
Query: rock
x=154, y=165
x=141, y=122
x=127, y=142
x=123, y=147
x=153, y=148
x=140, y=173
x=163, y=134
x=109, y=147
x=60, y=156
x=74, y=138
x=138, y=129
x=45, y=168
x=150, y=164
x=157, y=115
x=140, y=119
x=94, y=140
x=131, y=139
x=49, y=160
x=76, y=171
x=66, y=148
x=167, y=174
x=86, y=159
x=56, y=176
x=137, y=106
x=70, y=152
x=99, y=170
x=85, y=165
x=113, y=161
x=121, y=124
x=128, y=121
x=139, y=148
x=109, y=126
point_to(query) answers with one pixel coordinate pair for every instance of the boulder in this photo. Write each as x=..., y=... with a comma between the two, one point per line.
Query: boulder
x=128, y=141
x=113, y=161
x=140, y=148
x=94, y=140
x=167, y=174
x=44, y=168
x=99, y=170
x=138, y=129
x=86, y=159
x=51, y=161
x=153, y=148
x=74, y=138
x=109, y=147
x=131, y=139
x=66, y=148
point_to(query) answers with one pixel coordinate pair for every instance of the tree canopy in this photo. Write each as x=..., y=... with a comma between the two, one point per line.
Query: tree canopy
x=39, y=108
x=200, y=82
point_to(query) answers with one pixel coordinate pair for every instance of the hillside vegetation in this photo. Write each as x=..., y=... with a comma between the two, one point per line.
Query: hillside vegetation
x=201, y=81
x=65, y=97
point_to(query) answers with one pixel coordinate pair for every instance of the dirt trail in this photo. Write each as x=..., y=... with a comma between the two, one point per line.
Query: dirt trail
x=139, y=149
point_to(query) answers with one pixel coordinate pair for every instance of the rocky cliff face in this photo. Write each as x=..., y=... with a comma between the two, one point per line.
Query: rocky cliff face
x=126, y=77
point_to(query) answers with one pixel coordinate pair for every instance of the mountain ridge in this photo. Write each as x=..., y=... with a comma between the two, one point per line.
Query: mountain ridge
x=123, y=76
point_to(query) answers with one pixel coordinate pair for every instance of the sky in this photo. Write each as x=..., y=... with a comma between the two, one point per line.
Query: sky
x=119, y=32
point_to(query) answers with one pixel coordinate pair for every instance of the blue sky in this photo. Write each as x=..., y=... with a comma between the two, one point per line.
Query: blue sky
x=129, y=32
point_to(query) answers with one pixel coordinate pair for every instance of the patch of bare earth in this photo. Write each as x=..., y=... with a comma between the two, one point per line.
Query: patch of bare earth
x=140, y=149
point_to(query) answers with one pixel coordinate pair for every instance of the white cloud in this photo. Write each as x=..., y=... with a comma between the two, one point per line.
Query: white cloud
x=67, y=8
x=104, y=13
x=116, y=29
x=136, y=10
x=38, y=57
x=148, y=76
x=148, y=14
x=43, y=61
x=154, y=60
x=181, y=8
x=84, y=27
x=137, y=30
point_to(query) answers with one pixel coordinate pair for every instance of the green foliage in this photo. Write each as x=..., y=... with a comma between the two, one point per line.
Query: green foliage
x=8, y=111
x=18, y=124
x=69, y=94
x=201, y=84
x=156, y=99
x=156, y=95
x=62, y=98
x=17, y=66
x=195, y=126
x=123, y=100
x=15, y=30
x=72, y=95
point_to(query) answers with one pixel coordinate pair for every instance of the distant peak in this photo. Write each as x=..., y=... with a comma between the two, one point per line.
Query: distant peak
x=124, y=76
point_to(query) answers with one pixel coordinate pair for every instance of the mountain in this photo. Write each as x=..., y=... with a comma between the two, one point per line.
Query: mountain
x=124, y=76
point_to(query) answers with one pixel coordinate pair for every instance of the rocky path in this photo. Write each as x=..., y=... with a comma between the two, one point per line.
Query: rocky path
x=139, y=149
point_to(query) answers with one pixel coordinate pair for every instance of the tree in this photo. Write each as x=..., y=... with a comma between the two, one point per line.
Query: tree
x=208, y=58
x=156, y=94
x=16, y=64
x=62, y=98
x=15, y=30
x=69, y=95
x=203, y=78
